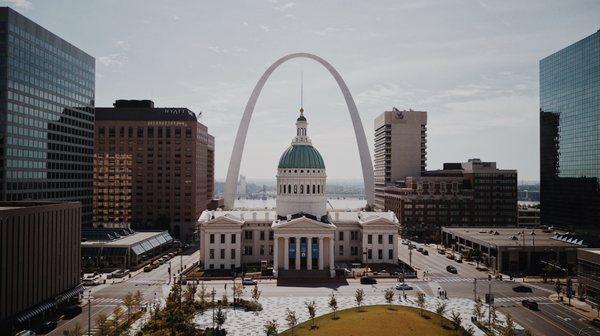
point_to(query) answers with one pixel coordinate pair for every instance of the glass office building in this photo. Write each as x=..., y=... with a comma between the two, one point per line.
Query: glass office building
x=46, y=115
x=570, y=136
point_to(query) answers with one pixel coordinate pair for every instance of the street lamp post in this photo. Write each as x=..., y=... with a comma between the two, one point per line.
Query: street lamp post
x=475, y=289
x=490, y=302
x=213, y=307
x=90, y=312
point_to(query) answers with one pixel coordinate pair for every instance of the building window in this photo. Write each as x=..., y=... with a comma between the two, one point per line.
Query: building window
x=353, y=235
x=341, y=235
x=222, y=266
x=391, y=254
x=262, y=249
x=341, y=250
x=233, y=235
x=248, y=250
x=232, y=253
x=211, y=266
x=262, y=235
x=354, y=250
x=222, y=238
x=248, y=235
x=380, y=254
x=270, y=250
x=211, y=254
x=380, y=239
x=369, y=254
x=391, y=239
x=222, y=253
x=295, y=188
x=270, y=235
x=369, y=239
x=212, y=238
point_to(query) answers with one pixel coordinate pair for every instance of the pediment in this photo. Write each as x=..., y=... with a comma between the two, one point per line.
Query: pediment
x=225, y=219
x=302, y=223
x=378, y=222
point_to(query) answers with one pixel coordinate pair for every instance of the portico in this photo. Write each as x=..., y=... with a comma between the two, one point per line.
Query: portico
x=303, y=244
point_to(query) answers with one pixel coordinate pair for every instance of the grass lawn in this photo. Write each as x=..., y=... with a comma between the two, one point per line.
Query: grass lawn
x=378, y=321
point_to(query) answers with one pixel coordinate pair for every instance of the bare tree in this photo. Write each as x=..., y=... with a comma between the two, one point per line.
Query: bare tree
x=76, y=331
x=509, y=327
x=128, y=302
x=102, y=324
x=421, y=302
x=440, y=309
x=270, y=328
x=333, y=305
x=456, y=320
x=238, y=290
x=478, y=309
x=137, y=299
x=117, y=316
x=291, y=319
x=312, y=311
x=389, y=296
x=255, y=293
x=220, y=318
x=359, y=297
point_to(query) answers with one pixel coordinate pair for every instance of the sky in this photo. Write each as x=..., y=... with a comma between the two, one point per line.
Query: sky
x=472, y=65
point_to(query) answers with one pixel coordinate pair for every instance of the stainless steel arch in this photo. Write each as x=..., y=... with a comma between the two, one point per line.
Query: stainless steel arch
x=240, y=139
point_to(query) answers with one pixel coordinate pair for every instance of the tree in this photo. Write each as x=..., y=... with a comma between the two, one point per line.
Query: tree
x=421, y=302
x=389, y=296
x=137, y=299
x=270, y=328
x=312, y=311
x=493, y=318
x=117, y=316
x=103, y=325
x=291, y=319
x=76, y=331
x=509, y=327
x=220, y=318
x=359, y=297
x=527, y=332
x=470, y=331
x=440, y=309
x=478, y=309
x=333, y=305
x=456, y=320
x=558, y=287
x=190, y=292
x=224, y=299
x=238, y=290
x=128, y=302
x=255, y=293
x=202, y=295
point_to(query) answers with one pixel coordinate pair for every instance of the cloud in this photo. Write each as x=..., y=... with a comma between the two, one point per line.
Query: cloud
x=113, y=60
x=327, y=31
x=265, y=28
x=284, y=7
x=23, y=4
x=217, y=49
x=124, y=45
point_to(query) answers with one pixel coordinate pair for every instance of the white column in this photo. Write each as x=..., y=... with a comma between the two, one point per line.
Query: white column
x=206, y=254
x=286, y=254
x=331, y=258
x=238, y=247
x=395, y=261
x=321, y=253
x=309, y=253
x=297, y=253
x=275, y=256
x=364, y=247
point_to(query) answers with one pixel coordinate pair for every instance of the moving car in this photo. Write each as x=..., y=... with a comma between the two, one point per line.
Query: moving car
x=420, y=249
x=148, y=268
x=451, y=269
x=403, y=286
x=91, y=280
x=425, y=252
x=366, y=280
x=530, y=304
x=522, y=289
x=249, y=282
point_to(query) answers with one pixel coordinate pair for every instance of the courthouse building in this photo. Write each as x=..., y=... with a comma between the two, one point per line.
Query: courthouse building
x=300, y=235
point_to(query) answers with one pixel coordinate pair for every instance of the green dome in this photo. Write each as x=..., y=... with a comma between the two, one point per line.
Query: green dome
x=301, y=156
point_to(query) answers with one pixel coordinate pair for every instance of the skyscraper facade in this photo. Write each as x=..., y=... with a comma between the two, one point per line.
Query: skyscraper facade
x=400, y=148
x=46, y=115
x=153, y=167
x=570, y=136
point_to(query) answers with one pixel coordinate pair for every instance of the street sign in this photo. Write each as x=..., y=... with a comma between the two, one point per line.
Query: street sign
x=489, y=299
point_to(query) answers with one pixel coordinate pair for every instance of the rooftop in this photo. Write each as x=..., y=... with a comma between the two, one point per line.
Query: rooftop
x=507, y=237
x=132, y=239
x=142, y=110
x=336, y=216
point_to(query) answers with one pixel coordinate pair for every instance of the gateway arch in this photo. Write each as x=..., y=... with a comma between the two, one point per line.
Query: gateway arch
x=240, y=138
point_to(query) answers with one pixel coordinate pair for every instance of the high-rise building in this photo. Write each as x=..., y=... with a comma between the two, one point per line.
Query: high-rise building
x=46, y=115
x=400, y=148
x=154, y=167
x=40, y=259
x=570, y=137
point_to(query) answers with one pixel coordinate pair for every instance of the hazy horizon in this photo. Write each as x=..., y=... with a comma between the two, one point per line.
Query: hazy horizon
x=472, y=65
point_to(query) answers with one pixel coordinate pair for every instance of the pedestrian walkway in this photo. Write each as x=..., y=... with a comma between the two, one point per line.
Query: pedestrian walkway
x=106, y=301
x=521, y=298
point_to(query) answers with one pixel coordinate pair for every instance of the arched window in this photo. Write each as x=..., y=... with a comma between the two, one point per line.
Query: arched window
x=295, y=188
x=289, y=189
x=318, y=189
x=314, y=188
x=308, y=189
x=302, y=188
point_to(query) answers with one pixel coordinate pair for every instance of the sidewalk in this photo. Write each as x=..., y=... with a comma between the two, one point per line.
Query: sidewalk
x=580, y=307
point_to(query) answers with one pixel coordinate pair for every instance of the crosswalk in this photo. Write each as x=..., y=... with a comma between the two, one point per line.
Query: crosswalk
x=520, y=298
x=106, y=301
x=452, y=279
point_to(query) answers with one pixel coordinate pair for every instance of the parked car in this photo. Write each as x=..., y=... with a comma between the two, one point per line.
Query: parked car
x=91, y=280
x=148, y=268
x=451, y=269
x=450, y=256
x=458, y=259
x=425, y=252
x=419, y=249
x=530, y=304
x=72, y=311
x=522, y=289
x=25, y=333
x=403, y=286
x=120, y=273
x=249, y=282
x=366, y=280
x=47, y=327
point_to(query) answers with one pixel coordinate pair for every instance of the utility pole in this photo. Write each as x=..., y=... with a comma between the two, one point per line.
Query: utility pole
x=213, y=307
x=475, y=289
x=90, y=312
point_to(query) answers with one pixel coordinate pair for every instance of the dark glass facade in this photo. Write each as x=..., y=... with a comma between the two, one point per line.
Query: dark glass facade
x=570, y=136
x=46, y=115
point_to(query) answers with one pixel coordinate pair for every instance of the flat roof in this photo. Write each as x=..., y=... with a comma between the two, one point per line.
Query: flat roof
x=509, y=237
x=125, y=241
x=592, y=250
